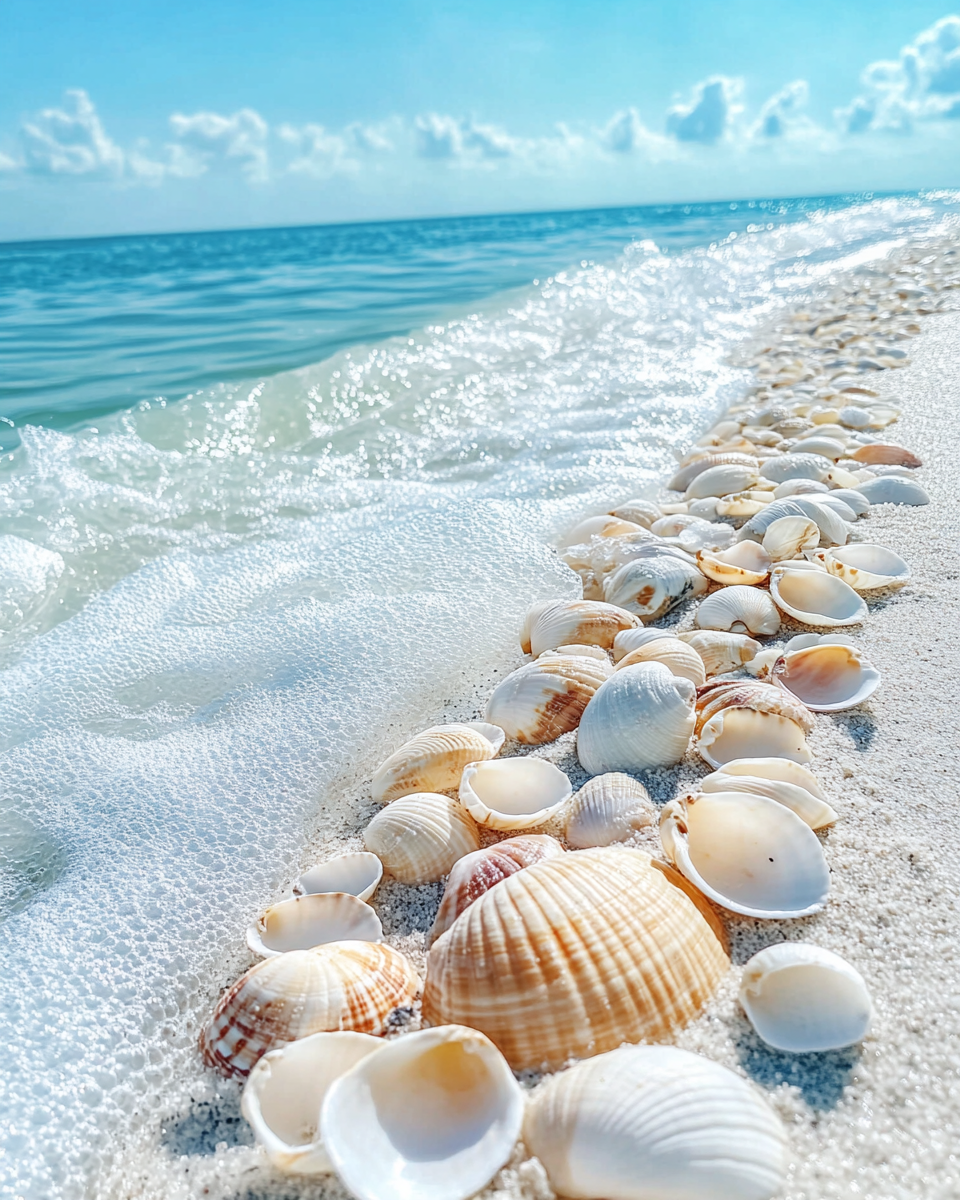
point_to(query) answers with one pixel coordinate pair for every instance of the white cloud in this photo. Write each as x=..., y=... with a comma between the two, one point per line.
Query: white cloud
x=440, y=136
x=710, y=113
x=784, y=112
x=318, y=152
x=207, y=140
x=71, y=141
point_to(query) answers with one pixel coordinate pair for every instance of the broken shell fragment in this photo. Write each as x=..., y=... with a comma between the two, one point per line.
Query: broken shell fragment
x=589, y=621
x=864, y=566
x=739, y=609
x=815, y=597
x=681, y=659
x=307, y=921
x=776, y=768
x=789, y=537
x=651, y=587
x=433, y=760
x=418, y=838
x=827, y=677
x=513, y=793
x=357, y=874
x=608, y=809
x=539, y=702
x=721, y=652
x=809, y=808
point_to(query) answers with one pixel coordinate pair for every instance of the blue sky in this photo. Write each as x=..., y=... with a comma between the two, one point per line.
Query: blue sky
x=127, y=116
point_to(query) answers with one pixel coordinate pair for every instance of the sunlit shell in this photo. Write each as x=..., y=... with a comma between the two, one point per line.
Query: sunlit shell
x=540, y=963
x=476, y=873
x=886, y=453
x=602, y=526
x=748, y=719
x=721, y=481
x=796, y=466
x=819, y=444
x=776, y=768
x=739, y=609
x=891, y=489
x=576, y=651
x=809, y=808
x=705, y=508
x=706, y=535
x=816, y=597
x=357, y=874
x=719, y=695
x=307, y=921
x=608, y=809
x=418, y=838
x=640, y=512
x=343, y=985
x=864, y=566
x=651, y=587
x=539, y=702
x=799, y=487
x=742, y=504
x=747, y=853
x=853, y=499
x=433, y=760
x=757, y=526
x=686, y=475
x=789, y=537
x=834, y=530
x=841, y=479
x=535, y=610
x=721, y=652
x=282, y=1097
x=854, y=417
x=632, y=639
x=802, y=998
x=589, y=621
x=682, y=659
x=744, y=563
x=654, y=1121
x=827, y=677
x=640, y=718
x=843, y=511
x=513, y=793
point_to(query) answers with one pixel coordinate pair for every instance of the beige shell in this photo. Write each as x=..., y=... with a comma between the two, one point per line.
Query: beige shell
x=681, y=659
x=307, y=921
x=721, y=652
x=539, y=702
x=722, y=480
x=739, y=609
x=864, y=566
x=513, y=793
x=788, y=537
x=744, y=563
x=632, y=639
x=809, y=808
x=608, y=809
x=686, y=475
x=418, y=838
x=827, y=677
x=433, y=760
x=743, y=504
x=357, y=874
x=640, y=512
x=575, y=955
x=343, y=985
x=576, y=651
x=886, y=453
x=651, y=587
x=748, y=719
x=589, y=621
x=815, y=597
x=602, y=526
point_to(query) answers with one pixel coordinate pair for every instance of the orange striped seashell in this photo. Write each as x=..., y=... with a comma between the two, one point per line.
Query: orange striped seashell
x=539, y=702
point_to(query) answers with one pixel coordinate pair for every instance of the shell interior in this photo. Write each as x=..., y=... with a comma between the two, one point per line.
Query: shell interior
x=816, y=598
x=513, y=793
x=358, y=874
x=313, y=920
x=827, y=677
x=746, y=733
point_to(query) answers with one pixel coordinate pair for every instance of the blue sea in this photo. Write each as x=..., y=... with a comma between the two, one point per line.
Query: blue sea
x=270, y=501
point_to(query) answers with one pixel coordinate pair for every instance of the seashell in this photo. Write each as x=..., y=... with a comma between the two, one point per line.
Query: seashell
x=608, y=809
x=632, y=639
x=796, y=466
x=686, y=475
x=757, y=526
x=589, y=621
x=747, y=853
x=670, y=526
x=815, y=597
x=679, y=507
x=761, y=664
x=742, y=504
x=601, y=526
x=706, y=535
x=535, y=610
x=882, y=414
x=886, y=454
x=820, y=445
x=799, y=487
x=864, y=566
x=418, y=838
x=854, y=417
x=837, y=505
x=681, y=659
x=356, y=874
x=833, y=528
x=739, y=609
x=539, y=702
x=827, y=677
x=651, y=587
x=809, y=808
x=721, y=481
x=756, y=727
x=802, y=998
x=282, y=1097
x=433, y=760
x=891, y=489
x=776, y=768
x=842, y=479
x=513, y=793
x=639, y=512
x=307, y=921
x=721, y=694
x=476, y=873
x=719, y=651
x=852, y=499
x=641, y=717
x=743, y=563
x=788, y=537
x=540, y=962
x=705, y=508
x=343, y=985
x=655, y=1121
x=576, y=651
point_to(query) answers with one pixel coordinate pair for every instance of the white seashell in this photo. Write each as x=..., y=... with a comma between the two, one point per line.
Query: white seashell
x=757, y=526
x=708, y=535
x=535, y=610
x=747, y=853
x=642, y=717
x=721, y=652
x=739, y=609
x=853, y=499
x=892, y=489
x=796, y=466
x=308, y=921
x=827, y=677
x=539, y=702
x=644, y=1122
x=802, y=998
x=357, y=874
x=776, y=768
x=825, y=447
x=762, y=664
x=418, y=838
x=809, y=808
x=722, y=480
x=601, y=526
x=835, y=504
x=743, y=563
x=640, y=512
x=513, y=793
x=432, y=761
x=430, y=1116
x=864, y=566
x=799, y=487
x=855, y=417
x=632, y=639
x=789, y=537
x=651, y=587
x=575, y=651
x=745, y=733
x=608, y=809
x=815, y=597
x=743, y=504
x=833, y=528
x=705, y=508
x=589, y=621
x=686, y=475
x=282, y=1096
x=841, y=478
x=680, y=658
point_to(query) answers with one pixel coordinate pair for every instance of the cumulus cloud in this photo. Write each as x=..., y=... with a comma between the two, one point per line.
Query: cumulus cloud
x=71, y=141
x=318, y=152
x=709, y=114
x=440, y=136
x=207, y=140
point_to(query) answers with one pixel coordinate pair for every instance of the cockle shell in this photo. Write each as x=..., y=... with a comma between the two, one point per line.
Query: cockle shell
x=686, y=475
x=433, y=760
x=430, y=1116
x=886, y=453
x=644, y=1122
x=589, y=621
x=891, y=489
x=476, y=873
x=721, y=481
x=719, y=695
x=602, y=526
x=513, y=793
x=539, y=702
x=682, y=659
x=721, y=652
x=641, y=717
x=796, y=466
x=815, y=597
x=748, y=719
x=541, y=962
x=282, y=1097
x=357, y=874
x=343, y=985
x=651, y=587
x=809, y=808
x=747, y=853
x=307, y=921
x=789, y=537
x=418, y=838
x=802, y=998
x=745, y=563
x=864, y=566
x=608, y=809
x=640, y=512
x=739, y=609
x=632, y=639
x=827, y=677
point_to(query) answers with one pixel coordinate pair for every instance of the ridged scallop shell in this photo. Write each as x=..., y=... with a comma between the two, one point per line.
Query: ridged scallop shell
x=680, y=658
x=308, y=921
x=864, y=566
x=739, y=609
x=589, y=621
x=632, y=639
x=816, y=597
x=651, y=587
x=642, y=717
x=639, y=511
x=476, y=873
x=430, y=1116
x=802, y=998
x=887, y=454
x=513, y=793
x=650, y=1121
x=789, y=537
x=891, y=489
x=686, y=475
x=608, y=809
x=809, y=808
x=744, y=563
x=747, y=853
x=418, y=838
x=540, y=962
x=433, y=760
x=721, y=652
x=357, y=874
x=827, y=677
x=601, y=526
x=721, y=481
x=343, y=985
x=796, y=466
x=282, y=1097
x=539, y=702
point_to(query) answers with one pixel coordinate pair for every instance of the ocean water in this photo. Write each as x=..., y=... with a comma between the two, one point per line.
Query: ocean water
x=270, y=501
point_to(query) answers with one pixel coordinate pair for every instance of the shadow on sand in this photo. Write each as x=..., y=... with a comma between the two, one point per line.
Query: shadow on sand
x=820, y=1077
x=206, y=1125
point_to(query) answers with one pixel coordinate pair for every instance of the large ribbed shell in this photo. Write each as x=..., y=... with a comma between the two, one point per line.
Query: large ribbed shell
x=748, y=719
x=539, y=702
x=677, y=656
x=433, y=760
x=651, y=587
x=607, y=809
x=418, y=838
x=343, y=985
x=575, y=955
x=739, y=609
x=588, y=621
x=721, y=651
x=749, y=693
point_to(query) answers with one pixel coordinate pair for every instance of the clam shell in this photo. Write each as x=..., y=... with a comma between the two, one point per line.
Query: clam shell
x=343, y=985
x=418, y=838
x=651, y=587
x=720, y=695
x=513, y=793
x=640, y=512
x=681, y=659
x=743, y=504
x=601, y=526
x=686, y=475
x=575, y=651
x=816, y=597
x=632, y=639
x=827, y=677
x=864, y=566
x=739, y=609
x=476, y=873
x=282, y=1097
x=853, y=499
x=642, y=717
x=589, y=621
x=887, y=454
x=832, y=526
x=854, y=417
x=307, y=921
x=536, y=609
x=655, y=1121
x=721, y=480
x=539, y=702
x=836, y=504
x=796, y=466
x=799, y=487
x=809, y=808
x=433, y=760
x=803, y=998
x=757, y=526
x=745, y=564
x=746, y=733
x=824, y=447
x=776, y=768
x=706, y=508
x=747, y=853
x=576, y=955
x=891, y=489
x=720, y=651
x=356, y=874
x=789, y=537
x=608, y=809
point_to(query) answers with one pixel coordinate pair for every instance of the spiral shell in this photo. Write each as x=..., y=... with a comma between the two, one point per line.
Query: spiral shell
x=539, y=702
x=608, y=809
x=418, y=838
x=433, y=760
x=721, y=652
